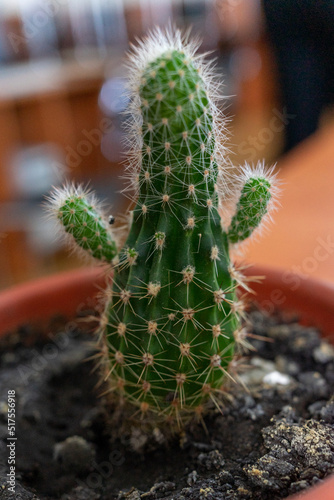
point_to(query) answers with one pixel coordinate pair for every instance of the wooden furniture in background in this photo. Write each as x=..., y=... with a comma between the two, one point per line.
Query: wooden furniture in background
x=46, y=103
x=301, y=240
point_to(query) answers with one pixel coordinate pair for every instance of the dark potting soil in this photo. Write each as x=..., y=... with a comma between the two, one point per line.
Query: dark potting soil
x=269, y=442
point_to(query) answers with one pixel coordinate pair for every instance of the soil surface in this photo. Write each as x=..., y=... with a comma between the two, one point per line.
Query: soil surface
x=271, y=441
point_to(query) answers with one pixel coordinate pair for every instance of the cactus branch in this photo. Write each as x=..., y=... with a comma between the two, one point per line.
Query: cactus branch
x=258, y=192
x=83, y=222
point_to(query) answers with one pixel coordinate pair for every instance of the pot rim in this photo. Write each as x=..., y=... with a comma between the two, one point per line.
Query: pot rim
x=34, y=301
x=278, y=290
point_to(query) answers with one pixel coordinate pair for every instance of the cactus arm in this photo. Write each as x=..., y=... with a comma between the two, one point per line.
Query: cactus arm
x=254, y=204
x=83, y=222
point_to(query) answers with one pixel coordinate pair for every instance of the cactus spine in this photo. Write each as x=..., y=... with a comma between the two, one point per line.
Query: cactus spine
x=171, y=324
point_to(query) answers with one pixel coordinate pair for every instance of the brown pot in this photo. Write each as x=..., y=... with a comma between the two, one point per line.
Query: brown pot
x=68, y=293
x=37, y=301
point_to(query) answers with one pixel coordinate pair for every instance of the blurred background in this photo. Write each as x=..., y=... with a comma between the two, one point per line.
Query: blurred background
x=62, y=97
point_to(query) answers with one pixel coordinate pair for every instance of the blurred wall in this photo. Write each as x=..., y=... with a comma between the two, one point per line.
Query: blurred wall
x=61, y=104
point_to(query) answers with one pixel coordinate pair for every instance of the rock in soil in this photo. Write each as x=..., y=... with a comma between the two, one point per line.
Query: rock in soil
x=271, y=441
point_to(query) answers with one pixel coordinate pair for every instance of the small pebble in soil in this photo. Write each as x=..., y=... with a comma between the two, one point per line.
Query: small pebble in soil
x=74, y=454
x=276, y=378
x=324, y=353
x=192, y=478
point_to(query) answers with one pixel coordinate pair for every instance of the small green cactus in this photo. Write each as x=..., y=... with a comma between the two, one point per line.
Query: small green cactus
x=172, y=324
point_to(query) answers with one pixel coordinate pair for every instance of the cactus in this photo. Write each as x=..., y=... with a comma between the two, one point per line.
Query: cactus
x=172, y=324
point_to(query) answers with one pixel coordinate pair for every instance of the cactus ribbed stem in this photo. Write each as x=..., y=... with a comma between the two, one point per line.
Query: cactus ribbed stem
x=176, y=302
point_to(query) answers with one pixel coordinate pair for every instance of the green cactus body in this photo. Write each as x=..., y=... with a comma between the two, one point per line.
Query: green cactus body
x=173, y=313
x=173, y=320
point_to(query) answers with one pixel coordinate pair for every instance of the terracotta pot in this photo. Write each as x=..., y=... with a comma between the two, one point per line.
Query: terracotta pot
x=68, y=293
x=36, y=302
x=312, y=301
